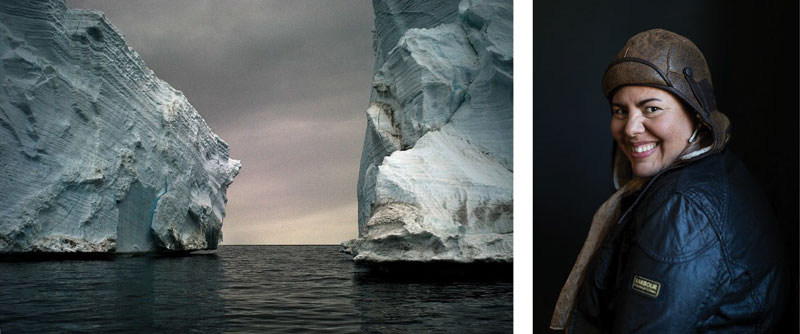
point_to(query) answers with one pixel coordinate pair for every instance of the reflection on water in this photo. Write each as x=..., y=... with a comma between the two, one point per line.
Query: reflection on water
x=147, y=293
x=134, y=294
x=275, y=289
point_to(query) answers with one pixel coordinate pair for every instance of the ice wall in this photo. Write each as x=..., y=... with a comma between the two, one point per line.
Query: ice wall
x=436, y=176
x=96, y=153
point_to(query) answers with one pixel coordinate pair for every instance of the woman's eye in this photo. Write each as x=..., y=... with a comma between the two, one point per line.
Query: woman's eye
x=651, y=110
x=618, y=112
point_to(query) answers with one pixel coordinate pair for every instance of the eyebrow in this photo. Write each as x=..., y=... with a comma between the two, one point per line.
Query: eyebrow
x=638, y=104
x=646, y=101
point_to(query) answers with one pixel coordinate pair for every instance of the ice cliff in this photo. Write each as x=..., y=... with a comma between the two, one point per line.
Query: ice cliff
x=436, y=176
x=96, y=153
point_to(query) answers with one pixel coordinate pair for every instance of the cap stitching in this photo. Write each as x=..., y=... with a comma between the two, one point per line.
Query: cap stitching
x=669, y=55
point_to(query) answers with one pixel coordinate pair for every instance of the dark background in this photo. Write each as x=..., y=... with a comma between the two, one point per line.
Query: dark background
x=752, y=50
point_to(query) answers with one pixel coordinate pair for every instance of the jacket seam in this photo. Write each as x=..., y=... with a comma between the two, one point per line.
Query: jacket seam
x=710, y=293
x=714, y=218
x=677, y=259
x=751, y=289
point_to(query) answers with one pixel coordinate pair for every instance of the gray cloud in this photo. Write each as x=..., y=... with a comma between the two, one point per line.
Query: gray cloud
x=285, y=84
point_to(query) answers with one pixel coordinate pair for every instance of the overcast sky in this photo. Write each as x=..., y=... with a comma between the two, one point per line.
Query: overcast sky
x=286, y=85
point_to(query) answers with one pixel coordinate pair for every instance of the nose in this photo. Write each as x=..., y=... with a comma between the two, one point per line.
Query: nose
x=634, y=126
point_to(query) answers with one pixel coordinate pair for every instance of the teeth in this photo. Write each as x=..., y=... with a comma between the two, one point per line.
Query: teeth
x=644, y=148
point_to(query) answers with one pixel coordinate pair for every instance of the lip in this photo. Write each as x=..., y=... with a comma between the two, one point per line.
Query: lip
x=645, y=154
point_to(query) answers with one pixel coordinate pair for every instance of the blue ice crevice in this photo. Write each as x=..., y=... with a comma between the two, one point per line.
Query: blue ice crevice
x=136, y=212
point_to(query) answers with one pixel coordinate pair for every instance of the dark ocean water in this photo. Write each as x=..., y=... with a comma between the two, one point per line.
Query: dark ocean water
x=261, y=289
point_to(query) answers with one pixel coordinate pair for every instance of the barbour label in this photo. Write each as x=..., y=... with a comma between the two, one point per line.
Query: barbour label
x=647, y=287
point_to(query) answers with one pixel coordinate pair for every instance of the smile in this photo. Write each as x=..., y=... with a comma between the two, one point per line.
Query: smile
x=643, y=148
x=642, y=151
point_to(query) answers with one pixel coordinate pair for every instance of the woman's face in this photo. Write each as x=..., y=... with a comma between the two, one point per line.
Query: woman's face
x=650, y=126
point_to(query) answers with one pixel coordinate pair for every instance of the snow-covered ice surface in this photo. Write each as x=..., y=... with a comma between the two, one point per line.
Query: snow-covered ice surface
x=436, y=177
x=96, y=153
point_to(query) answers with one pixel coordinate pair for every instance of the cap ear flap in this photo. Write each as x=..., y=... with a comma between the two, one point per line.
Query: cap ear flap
x=721, y=129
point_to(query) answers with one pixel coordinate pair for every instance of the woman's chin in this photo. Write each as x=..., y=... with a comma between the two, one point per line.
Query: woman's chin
x=644, y=170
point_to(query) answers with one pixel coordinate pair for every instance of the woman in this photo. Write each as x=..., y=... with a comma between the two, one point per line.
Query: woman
x=688, y=242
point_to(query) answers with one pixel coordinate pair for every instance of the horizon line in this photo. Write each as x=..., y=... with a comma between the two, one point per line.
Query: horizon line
x=281, y=244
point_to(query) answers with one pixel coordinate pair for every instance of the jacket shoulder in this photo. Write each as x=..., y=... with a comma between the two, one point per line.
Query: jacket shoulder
x=678, y=217
x=704, y=181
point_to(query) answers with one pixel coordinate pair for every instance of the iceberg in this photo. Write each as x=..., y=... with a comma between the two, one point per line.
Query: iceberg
x=96, y=153
x=436, y=174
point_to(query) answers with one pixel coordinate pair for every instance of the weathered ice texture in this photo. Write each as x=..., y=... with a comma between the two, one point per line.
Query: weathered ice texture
x=96, y=153
x=436, y=178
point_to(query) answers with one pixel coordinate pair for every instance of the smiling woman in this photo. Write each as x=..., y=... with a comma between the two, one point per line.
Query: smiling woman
x=651, y=128
x=688, y=243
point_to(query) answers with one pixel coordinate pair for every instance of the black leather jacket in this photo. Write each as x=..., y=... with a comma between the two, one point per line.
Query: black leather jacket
x=697, y=251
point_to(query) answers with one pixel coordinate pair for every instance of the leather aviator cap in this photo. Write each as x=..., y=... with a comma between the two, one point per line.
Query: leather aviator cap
x=663, y=59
